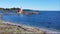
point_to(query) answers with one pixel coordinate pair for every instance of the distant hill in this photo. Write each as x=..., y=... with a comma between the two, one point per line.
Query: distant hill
x=16, y=9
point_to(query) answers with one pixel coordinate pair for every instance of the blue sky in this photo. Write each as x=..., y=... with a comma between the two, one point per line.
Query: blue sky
x=31, y=4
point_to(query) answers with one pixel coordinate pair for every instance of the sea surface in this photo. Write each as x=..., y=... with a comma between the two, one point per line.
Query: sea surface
x=46, y=19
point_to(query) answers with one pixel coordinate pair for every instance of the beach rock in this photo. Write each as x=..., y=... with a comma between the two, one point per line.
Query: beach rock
x=6, y=28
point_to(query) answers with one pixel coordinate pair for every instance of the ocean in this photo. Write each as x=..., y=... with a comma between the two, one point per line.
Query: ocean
x=46, y=19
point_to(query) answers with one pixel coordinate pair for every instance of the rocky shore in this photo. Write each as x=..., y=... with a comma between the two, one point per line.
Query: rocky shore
x=12, y=28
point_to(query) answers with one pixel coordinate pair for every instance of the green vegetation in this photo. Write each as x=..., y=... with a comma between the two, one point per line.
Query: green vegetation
x=1, y=8
x=9, y=8
x=15, y=8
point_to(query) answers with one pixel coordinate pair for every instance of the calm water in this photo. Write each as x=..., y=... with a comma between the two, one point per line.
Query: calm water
x=46, y=19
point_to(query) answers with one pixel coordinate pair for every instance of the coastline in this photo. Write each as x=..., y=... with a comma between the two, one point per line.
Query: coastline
x=18, y=27
x=47, y=31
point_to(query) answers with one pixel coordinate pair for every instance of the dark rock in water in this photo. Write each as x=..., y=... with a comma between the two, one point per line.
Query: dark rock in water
x=29, y=13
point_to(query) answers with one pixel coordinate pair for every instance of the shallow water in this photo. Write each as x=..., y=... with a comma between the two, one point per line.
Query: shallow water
x=46, y=19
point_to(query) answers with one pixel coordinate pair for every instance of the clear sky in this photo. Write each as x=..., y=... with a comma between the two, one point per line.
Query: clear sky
x=31, y=4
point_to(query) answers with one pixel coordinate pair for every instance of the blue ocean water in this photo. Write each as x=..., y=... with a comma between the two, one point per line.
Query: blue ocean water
x=46, y=19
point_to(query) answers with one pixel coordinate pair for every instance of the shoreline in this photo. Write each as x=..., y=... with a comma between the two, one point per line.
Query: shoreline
x=15, y=23
x=25, y=26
